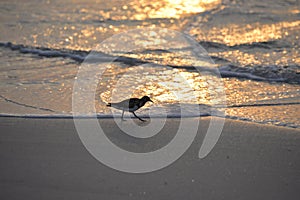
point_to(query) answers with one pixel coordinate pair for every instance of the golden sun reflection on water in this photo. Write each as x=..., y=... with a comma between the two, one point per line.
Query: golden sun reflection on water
x=126, y=15
x=170, y=8
x=259, y=58
x=234, y=34
x=163, y=85
x=171, y=86
x=176, y=8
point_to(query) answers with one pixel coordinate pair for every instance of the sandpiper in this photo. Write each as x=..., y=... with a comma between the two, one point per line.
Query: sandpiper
x=130, y=105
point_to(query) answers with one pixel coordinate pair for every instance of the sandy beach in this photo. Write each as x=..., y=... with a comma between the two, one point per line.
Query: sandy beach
x=45, y=159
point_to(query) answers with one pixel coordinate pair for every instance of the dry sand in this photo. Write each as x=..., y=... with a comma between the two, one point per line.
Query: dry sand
x=45, y=159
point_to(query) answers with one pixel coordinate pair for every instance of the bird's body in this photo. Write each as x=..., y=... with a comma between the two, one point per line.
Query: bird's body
x=130, y=105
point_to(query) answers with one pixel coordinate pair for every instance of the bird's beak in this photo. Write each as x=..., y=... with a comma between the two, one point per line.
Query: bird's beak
x=151, y=100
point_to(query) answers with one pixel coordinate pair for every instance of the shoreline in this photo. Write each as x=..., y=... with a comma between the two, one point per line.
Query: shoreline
x=99, y=117
x=45, y=159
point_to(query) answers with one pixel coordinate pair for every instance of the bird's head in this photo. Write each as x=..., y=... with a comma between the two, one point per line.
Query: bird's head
x=146, y=98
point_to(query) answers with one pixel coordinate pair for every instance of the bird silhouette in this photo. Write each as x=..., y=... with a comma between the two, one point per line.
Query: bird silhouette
x=130, y=105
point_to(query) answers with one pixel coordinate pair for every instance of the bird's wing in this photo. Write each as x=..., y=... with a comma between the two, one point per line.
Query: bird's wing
x=133, y=102
x=124, y=103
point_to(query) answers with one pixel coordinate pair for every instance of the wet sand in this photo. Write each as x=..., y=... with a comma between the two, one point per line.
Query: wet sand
x=45, y=159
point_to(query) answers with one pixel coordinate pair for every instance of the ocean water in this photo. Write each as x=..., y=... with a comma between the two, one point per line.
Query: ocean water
x=248, y=67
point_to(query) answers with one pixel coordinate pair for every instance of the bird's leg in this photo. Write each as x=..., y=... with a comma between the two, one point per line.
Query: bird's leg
x=122, y=116
x=138, y=117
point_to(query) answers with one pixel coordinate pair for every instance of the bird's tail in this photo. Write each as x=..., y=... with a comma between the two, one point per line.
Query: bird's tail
x=108, y=105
